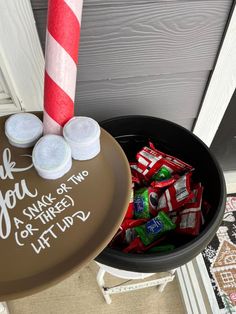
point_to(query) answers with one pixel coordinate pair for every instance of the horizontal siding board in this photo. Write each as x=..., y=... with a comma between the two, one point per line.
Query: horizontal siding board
x=89, y=111
x=42, y=4
x=175, y=97
x=158, y=38
x=186, y=123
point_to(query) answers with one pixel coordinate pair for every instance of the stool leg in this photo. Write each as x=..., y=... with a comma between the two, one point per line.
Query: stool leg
x=101, y=284
x=169, y=279
x=107, y=297
x=162, y=287
x=172, y=271
x=4, y=308
x=100, y=277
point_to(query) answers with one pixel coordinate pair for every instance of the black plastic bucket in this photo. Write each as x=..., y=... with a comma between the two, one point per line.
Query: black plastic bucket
x=133, y=132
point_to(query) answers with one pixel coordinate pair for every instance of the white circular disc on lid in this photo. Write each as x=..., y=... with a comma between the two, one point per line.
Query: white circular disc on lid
x=83, y=136
x=23, y=129
x=52, y=157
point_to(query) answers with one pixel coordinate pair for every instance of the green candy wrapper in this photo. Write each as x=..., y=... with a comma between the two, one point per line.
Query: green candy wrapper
x=145, y=202
x=154, y=228
x=161, y=248
x=141, y=204
x=162, y=174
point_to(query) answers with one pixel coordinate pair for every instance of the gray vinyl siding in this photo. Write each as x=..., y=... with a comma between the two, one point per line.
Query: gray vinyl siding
x=145, y=57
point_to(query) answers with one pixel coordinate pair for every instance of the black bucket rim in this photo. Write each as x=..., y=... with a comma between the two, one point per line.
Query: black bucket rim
x=196, y=242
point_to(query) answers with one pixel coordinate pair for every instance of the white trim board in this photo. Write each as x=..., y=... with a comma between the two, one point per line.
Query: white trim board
x=21, y=64
x=221, y=87
x=21, y=57
x=7, y=104
x=230, y=179
x=217, y=98
x=197, y=292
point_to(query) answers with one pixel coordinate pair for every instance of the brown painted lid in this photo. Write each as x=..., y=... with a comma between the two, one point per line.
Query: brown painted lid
x=50, y=228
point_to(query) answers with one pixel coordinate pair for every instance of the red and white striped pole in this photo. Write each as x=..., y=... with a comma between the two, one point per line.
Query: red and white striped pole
x=61, y=58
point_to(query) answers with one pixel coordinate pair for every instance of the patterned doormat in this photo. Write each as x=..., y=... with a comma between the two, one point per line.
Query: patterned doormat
x=220, y=259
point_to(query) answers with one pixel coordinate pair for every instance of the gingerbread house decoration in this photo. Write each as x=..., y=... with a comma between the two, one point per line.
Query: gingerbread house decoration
x=222, y=234
x=223, y=269
x=229, y=209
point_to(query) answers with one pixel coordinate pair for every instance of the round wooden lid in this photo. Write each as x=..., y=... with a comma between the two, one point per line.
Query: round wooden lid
x=50, y=228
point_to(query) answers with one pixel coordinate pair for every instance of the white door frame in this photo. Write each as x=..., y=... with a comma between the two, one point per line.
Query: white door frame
x=196, y=288
x=21, y=64
x=21, y=58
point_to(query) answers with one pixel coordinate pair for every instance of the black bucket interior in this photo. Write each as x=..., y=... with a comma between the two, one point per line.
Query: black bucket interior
x=133, y=133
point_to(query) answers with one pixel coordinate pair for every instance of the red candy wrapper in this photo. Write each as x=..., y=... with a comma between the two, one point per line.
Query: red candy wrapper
x=136, y=177
x=176, y=195
x=189, y=222
x=196, y=201
x=149, y=162
x=189, y=219
x=119, y=240
x=127, y=227
x=164, y=183
x=176, y=164
x=133, y=246
x=180, y=166
x=130, y=223
x=206, y=207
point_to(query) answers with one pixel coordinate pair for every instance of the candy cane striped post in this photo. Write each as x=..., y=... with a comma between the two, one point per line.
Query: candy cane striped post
x=61, y=57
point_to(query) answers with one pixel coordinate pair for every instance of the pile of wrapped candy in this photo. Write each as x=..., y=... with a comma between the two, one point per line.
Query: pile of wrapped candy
x=164, y=201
